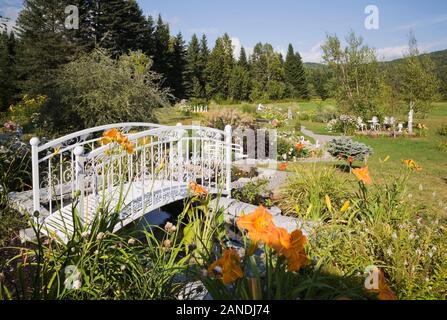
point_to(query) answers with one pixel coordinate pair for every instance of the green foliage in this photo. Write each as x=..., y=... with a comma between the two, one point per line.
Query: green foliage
x=8, y=75
x=219, y=68
x=44, y=45
x=252, y=192
x=97, y=90
x=239, y=85
x=443, y=130
x=267, y=74
x=15, y=165
x=287, y=151
x=235, y=118
x=27, y=113
x=418, y=84
x=357, y=80
x=306, y=190
x=346, y=147
x=295, y=76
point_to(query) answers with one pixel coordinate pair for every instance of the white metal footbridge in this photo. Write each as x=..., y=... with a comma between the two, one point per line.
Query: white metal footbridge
x=77, y=175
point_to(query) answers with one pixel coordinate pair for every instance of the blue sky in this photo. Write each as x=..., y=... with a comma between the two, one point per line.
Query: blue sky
x=302, y=23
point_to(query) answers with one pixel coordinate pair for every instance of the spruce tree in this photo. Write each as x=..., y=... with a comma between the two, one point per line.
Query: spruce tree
x=295, y=75
x=121, y=26
x=194, y=71
x=45, y=44
x=219, y=68
x=204, y=57
x=243, y=61
x=161, y=47
x=177, y=67
x=7, y=70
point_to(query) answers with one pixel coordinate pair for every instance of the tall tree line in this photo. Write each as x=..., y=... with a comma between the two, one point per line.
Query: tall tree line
x=40, y=45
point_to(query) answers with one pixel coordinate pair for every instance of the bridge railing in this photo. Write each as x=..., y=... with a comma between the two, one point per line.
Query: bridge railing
x=54, y=167
x=164, y=160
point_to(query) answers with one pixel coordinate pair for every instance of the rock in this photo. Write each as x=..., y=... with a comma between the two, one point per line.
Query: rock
x=27, y=235
x=233, y=209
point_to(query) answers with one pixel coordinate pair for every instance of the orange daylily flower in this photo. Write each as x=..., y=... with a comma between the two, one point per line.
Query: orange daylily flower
x=291, y=246
x=109, y=136
x=283, y=166
x=363, y=175
x=114, y=135
x=384, y=292
x=228, y=268
x=198, y=190
x=299, y=146
x=259, y=225
x=412, y=165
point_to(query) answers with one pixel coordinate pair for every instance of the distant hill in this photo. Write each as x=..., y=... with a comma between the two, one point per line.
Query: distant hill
x=438, y=57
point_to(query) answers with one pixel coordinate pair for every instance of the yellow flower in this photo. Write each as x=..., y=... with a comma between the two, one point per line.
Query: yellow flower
x=228, y=268
x=328, y=202
x=345, y=207
x=362, y=175
x=412, y=165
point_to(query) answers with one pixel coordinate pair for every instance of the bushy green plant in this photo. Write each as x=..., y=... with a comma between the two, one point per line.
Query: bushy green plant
x=219, y=119
x=253, y=192
x=443, y=130
x=27, y=113
x=288, y=151
x=346, y=147
x=15, y=165
x=98, y=90
x=306, y=190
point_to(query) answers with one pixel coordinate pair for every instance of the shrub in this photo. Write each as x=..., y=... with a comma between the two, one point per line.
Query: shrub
x=443, y=130
x=306, y=189
x=98, y=90
x=287, y=151
x=219, y=119
x=345, y=147
x=345, y=124
x=27, y=113
x=15, y=165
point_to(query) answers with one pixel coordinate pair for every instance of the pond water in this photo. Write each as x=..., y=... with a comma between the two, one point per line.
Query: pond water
x=160, y=216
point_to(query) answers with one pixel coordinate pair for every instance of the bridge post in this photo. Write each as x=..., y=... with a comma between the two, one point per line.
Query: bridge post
x=80, y=175
x=180, y=152
x=228, y=159
x=34, y=142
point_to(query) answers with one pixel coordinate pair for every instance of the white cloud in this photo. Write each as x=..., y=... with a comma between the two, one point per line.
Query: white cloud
x=391, y=53
x=314, y=54
x=422, y=23
x=237, y=45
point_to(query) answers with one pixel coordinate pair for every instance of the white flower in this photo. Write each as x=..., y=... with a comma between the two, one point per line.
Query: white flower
x=100, y=236
x=85, y=234
x=394, y=235
x=284, y=156
x=389, y=252
x=123, y=267
x=77, y=285
x=131, y=241
x=418, y=252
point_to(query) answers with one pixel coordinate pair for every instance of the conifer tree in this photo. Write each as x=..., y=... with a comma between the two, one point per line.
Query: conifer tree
x=177, y=67
x=45, y=44
x=243, y=61
x=219, y=68
x=7, y=70
x=194, y=70
x=295, y=75
x=162, y=47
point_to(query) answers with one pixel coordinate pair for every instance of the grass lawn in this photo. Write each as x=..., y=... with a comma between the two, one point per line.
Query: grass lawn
x=430, y=185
